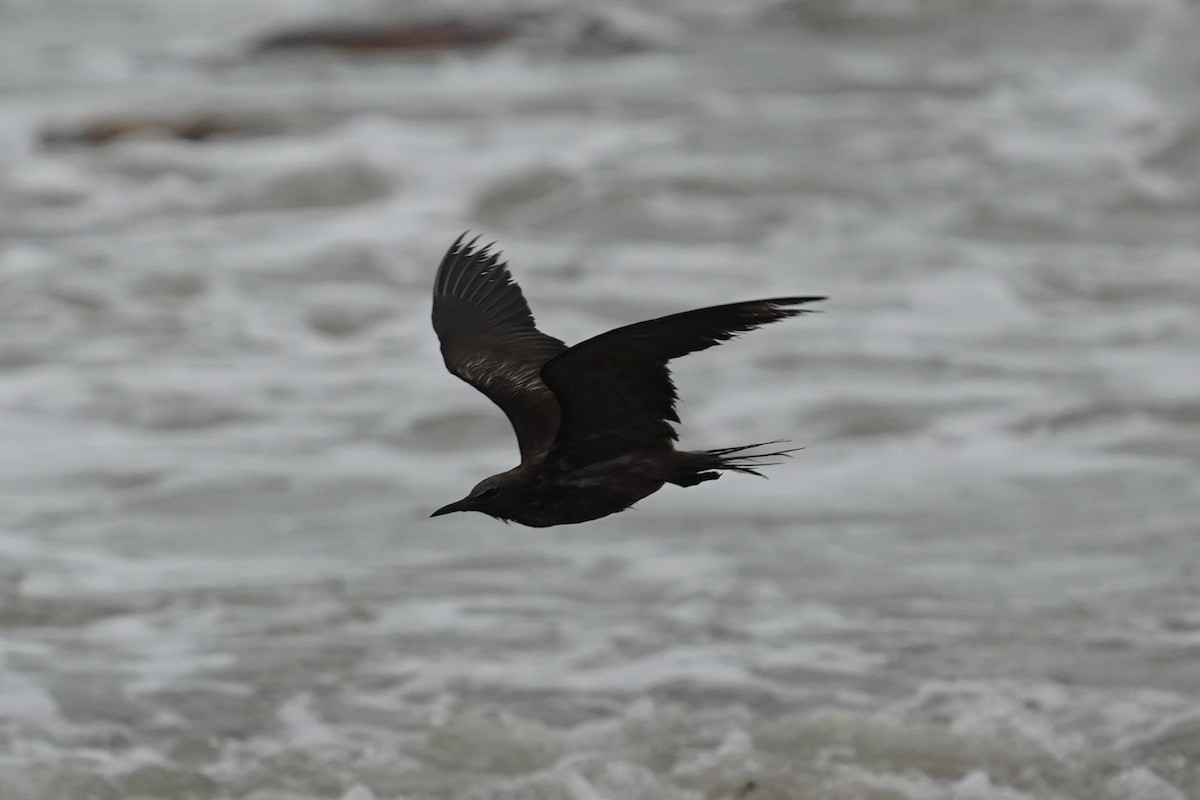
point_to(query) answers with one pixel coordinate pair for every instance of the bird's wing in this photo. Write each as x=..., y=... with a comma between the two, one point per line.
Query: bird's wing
x=489, y=340
x=615, y=390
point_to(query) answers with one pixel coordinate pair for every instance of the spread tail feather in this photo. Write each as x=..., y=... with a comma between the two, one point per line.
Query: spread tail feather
x=706, y=465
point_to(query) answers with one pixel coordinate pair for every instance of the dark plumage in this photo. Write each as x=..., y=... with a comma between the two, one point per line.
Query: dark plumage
x=593, y=421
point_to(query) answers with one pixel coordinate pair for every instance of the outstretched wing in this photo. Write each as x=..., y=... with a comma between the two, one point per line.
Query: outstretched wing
x=489, y=340
x=615, y=390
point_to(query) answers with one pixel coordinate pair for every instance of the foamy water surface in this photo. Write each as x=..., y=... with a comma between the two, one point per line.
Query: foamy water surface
x=225, y=419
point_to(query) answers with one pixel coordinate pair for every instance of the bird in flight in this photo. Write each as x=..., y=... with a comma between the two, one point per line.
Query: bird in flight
x=593, y=421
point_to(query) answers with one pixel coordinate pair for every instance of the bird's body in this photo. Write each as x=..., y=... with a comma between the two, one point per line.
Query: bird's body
x=539, y=498
x=593, y=420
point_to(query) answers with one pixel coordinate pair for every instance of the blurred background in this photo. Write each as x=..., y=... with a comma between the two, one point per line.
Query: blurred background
x=224, y=419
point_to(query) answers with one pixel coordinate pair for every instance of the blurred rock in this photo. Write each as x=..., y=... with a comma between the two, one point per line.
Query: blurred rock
x=607, y=31
x=450, y=34
x=194, y=127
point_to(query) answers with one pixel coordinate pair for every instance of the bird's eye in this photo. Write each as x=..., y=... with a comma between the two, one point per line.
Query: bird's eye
x=492, y=492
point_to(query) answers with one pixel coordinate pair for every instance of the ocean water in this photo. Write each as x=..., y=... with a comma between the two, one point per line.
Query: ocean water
x=224, y=419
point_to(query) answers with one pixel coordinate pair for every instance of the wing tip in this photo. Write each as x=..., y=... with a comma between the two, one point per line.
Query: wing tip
x=796, y=301
x=780, y=306
x=455, y=273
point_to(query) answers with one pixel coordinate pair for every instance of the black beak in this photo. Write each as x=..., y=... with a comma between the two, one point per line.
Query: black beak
x=457, y=505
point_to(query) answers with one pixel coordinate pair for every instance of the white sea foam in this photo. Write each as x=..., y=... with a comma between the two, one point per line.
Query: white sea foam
x=225, y=417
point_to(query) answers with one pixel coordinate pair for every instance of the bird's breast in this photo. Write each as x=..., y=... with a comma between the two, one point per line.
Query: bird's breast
x=595, y=490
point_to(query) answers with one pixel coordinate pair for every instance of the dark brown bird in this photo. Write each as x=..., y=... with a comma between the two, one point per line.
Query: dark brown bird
x=593, y=421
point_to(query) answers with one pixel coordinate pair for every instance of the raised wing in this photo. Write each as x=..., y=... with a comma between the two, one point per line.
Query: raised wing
x=615, y=390
x=489, y=340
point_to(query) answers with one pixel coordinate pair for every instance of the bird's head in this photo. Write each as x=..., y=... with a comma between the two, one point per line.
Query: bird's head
x=494, y=496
